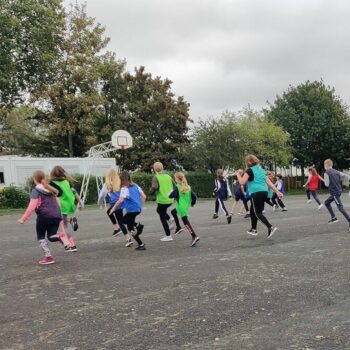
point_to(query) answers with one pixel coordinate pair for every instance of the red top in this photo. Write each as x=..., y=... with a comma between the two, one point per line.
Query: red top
x=313, y=184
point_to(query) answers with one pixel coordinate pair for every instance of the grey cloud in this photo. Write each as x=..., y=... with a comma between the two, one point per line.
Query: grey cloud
x=225, y=54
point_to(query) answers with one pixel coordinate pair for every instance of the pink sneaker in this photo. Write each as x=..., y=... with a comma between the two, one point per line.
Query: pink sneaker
x=47, y=261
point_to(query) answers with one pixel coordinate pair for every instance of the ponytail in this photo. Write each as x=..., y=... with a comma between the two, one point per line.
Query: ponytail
x=39, y=177
x=180, y=178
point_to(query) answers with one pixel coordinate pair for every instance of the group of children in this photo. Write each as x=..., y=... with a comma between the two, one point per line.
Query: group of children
x=56, y=201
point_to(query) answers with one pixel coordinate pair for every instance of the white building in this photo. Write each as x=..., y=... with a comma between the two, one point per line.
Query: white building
x=17, y=170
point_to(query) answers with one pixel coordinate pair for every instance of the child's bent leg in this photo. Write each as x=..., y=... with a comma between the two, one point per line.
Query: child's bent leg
x=41, y=231
x=341, y=208
x=112, y=216
x=188, y=226
x=328, y=205
x=314, y=194
x=119, y=217
x=176, y=219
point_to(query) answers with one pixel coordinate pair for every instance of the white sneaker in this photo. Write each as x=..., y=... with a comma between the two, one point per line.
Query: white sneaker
x=129, y=243
x=309, y=201
x=274, y=207
x=167, y=239
x=320, y=206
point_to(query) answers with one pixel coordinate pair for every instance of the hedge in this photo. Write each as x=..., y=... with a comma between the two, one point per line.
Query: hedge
x=13, y=197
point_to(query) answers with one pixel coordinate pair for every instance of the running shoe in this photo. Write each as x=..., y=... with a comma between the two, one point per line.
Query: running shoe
x=47, y=261
x=333, y=220
x=194, y=241
x=284, y=209
x=272, y=230
x=229, y=219
x=141, y=247
x=247, y=216
x=74, y=248
x=178, y=230
x=129, y=243
x=320, y=206
x=167, y=239
x=215, y=216
x=74, y=223
x=309, y=201
x=252, y=232
x=274, y=207
x=116, y=232
x=69, y=249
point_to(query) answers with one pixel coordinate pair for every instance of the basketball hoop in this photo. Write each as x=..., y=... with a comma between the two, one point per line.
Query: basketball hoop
x=121, y=139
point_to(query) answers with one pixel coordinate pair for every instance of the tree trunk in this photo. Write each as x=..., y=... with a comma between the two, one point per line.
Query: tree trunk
x=70, y=144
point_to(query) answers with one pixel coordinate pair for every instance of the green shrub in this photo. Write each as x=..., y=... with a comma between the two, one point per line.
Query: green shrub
x=13, y=197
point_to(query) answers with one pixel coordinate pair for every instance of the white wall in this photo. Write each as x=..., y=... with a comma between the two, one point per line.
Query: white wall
x=18, y=169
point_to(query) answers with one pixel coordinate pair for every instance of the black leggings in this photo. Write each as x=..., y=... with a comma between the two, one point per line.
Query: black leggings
x=277, y=201
x=314, y=194
x=164, y=217
x=185, y=221
x=129, y=221
x=257, y=206
x=117, y=218
x=47, y=226
x=219, y=202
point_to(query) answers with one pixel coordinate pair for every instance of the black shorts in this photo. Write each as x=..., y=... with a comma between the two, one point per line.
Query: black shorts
x=239, y=198
x=46, y=225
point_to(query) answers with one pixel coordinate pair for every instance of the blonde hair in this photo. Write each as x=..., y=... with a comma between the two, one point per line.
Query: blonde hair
x=180, y=178
x=158, y=167
x=328, y=163
x=251, y=160
x=40, y=178
x=112, y=180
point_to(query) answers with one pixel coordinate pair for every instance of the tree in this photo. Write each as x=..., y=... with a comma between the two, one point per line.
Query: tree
x=317, y=122
x=147, y=108
x=70, y=104
x=30, y=34
x=226, y=141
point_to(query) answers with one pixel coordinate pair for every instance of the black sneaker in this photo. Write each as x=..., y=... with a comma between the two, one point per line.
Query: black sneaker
x=271, y=231
x=229, y=219
x=74, y=248
x=252, y=232
x=74, y=223
x=215, y=216
x=247, y=216
x=178, y=230
x=284, y=209
x=116, y=232
x=139, y=229
x=333, y=221
x=69, y=249
x=194, y=241
x=141, y=247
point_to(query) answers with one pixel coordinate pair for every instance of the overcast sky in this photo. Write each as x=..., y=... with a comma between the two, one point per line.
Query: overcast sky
x=226, y=54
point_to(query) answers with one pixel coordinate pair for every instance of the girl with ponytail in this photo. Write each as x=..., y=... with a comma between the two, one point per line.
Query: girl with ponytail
x=185, y=198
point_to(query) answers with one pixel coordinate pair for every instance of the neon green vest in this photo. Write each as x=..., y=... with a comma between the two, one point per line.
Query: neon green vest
x=184, y=202
x=165, y=187
x=67, y=199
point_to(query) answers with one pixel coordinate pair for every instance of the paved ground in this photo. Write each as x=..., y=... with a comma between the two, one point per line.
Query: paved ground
x=231, y=292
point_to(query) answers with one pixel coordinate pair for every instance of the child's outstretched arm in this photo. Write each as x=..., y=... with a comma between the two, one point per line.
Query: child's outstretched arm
x=30, y=210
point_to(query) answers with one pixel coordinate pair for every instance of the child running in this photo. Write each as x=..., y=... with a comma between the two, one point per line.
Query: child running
x=222, y=192
x=132, y=197
x=239, y=192
x=332, y=180
x=276, y=200
x=162, y=185
x=67, y=196
x=46, y=205
x=111, y=188
x=185, y=198
x=258, y=184
x=312, y=186
x=270, y=192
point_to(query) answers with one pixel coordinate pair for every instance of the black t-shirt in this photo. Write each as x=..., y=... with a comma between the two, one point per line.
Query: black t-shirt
x=250, y=173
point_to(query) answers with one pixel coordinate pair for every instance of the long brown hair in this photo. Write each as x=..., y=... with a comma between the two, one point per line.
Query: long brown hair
x=58, y=173
x=125, y=179
x=181, y=178
x=314, y=171
x=40, y=178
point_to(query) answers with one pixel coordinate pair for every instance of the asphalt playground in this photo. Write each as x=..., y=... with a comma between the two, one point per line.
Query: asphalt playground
x=232, y=291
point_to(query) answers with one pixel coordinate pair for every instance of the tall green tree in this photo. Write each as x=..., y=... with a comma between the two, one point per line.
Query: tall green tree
x=31, y=32
x=147, y=108
x=317, y=121
x=70, y=103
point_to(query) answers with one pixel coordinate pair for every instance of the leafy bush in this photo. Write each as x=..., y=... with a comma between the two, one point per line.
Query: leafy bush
x=13, y=197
